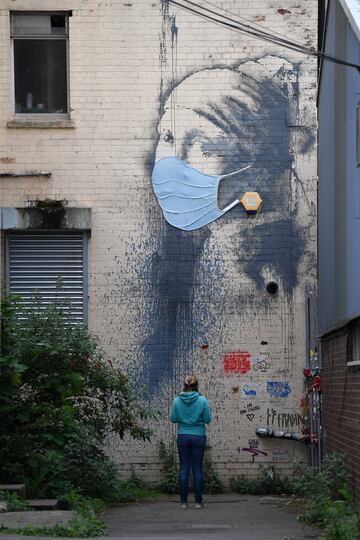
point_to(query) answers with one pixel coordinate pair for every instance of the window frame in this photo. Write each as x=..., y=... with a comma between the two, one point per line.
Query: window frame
x=358, y=134
x=353, y=356
x=43, y=117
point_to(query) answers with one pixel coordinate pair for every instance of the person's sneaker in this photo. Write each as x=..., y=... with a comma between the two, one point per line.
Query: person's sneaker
x=183, y=506
x=199, y=505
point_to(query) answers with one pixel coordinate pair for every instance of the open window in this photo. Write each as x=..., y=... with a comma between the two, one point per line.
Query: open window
x=40, y=49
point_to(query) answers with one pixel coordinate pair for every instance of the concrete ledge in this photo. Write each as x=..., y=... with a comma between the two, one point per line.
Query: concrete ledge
x=49, y=518
x=41, y=123
x=45, y=218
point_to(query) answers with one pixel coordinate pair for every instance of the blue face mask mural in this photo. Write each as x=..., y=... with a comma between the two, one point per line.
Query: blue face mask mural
x=187, y=197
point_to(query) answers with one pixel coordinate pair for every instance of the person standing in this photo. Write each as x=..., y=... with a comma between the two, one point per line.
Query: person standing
x=190, y=410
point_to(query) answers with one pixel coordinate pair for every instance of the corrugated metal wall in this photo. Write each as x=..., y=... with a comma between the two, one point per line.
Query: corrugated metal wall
x=339, y=178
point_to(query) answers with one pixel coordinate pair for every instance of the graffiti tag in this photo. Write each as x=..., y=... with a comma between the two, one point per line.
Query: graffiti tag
x=283, y=419
x=255, y=452
x=253, y=443
x=262, y=366
x=248, y=391
x=278, y=389
x=237, y=362
x=249, y=411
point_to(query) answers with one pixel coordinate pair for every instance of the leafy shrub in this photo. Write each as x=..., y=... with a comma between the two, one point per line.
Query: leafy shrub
x=59, y=400
x=212, y=482
x=268, y=482
x=329, y=500
x=136, y=489
x=83, y=524
x=170, y=478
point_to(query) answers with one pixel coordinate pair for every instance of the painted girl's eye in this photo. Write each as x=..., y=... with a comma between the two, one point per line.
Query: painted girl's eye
x=168, y=137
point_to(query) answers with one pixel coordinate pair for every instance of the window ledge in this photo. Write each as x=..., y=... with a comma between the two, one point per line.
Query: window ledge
x=353, y=363
x=41, y=123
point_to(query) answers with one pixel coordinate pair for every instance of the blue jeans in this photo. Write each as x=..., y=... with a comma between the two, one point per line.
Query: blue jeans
x=191, y=452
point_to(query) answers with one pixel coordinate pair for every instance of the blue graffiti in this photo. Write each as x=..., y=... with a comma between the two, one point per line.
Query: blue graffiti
x=278, y=389
x=247, y=391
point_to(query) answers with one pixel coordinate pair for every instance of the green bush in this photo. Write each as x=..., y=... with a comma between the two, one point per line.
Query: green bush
x=84, y=523
x=268, y=482
x=170, y=471
x=329, y=500
x=59, y=400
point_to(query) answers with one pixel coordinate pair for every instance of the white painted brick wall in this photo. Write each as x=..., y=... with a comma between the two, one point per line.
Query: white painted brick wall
x=116, y=74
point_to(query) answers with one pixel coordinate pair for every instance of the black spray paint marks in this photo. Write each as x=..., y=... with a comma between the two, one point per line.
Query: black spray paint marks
x=279, y=245
x=170, y=317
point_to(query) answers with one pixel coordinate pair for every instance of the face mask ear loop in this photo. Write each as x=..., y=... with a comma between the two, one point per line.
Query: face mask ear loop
x=237, y=201
x=232, y=173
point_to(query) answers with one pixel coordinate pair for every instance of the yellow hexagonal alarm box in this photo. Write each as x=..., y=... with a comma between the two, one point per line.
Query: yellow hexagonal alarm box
x=251, y=202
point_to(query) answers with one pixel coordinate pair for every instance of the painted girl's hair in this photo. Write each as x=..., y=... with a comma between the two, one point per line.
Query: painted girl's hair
x=191, y=384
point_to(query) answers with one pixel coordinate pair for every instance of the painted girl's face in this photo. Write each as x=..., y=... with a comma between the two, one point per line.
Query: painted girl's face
x=240, y=121
x=220, y=120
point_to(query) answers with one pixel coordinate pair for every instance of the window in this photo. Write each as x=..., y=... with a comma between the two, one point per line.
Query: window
x=40, y=43
x=49, y=266
x=354, y=342
x=358, y=134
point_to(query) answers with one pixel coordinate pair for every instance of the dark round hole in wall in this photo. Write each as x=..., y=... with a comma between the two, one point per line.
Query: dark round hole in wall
x=272, y=287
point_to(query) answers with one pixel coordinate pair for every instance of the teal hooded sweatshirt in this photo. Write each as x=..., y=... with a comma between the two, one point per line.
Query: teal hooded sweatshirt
x=191, y=412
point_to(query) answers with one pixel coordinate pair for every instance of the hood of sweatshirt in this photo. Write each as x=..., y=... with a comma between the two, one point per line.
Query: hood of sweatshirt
x=188, y=397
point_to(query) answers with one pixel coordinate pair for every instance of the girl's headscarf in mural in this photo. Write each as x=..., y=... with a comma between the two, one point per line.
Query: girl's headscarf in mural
x=187, y=197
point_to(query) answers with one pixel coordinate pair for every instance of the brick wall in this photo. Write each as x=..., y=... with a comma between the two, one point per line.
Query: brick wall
x=341, y=408
x=149, y=80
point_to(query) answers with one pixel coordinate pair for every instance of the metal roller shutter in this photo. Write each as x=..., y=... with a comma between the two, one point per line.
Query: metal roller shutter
x=48, y=267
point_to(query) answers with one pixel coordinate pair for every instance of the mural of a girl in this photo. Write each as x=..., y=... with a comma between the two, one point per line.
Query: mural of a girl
x=219, y=120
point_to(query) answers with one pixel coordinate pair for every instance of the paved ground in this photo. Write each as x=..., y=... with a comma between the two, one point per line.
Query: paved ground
x=224, y=517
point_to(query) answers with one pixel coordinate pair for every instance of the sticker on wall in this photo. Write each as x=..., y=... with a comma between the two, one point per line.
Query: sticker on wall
x=248, y=390
x=188, y=197
x=280, y=455
x=237, y=362
x=278, y=389
x=261, y=365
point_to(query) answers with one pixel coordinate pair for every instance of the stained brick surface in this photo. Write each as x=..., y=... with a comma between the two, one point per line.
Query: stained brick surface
x=148, y=80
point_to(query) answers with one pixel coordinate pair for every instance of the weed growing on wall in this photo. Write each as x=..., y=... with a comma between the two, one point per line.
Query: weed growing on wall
x=60, y=399
x=267, y=482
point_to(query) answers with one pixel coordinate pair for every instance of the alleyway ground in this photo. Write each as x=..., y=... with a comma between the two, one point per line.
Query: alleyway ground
x=225, y=517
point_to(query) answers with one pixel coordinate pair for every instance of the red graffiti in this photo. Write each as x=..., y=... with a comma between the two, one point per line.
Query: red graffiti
x=237, y=362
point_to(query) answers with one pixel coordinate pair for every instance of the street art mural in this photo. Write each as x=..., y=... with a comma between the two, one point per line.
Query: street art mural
x=245, y=120
x=213, y=121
